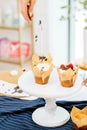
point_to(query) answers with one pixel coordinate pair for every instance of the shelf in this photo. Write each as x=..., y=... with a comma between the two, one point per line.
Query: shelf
x=6, y=61
x=20, y=28
x=14, y=61
x=14, y=28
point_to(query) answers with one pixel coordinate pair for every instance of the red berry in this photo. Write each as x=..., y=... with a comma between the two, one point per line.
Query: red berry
x=62, y=66
x=70, y=66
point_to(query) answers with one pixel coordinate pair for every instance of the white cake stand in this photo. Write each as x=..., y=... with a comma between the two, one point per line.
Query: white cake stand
x=50, y=115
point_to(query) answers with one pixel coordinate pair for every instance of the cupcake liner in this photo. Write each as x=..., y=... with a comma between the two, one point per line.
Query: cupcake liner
x=41, y=73
x=67, y=77
x=79, y=118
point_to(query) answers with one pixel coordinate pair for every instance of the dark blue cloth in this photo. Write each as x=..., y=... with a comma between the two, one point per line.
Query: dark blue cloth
x=16, y=114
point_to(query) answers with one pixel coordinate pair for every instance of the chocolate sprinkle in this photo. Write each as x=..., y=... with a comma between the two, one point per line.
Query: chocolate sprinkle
x=42, y=58
x=24, y=70
x=36, y=36
x=36, y=40
x=40, y=22
x=17, y=87
x=19, y=91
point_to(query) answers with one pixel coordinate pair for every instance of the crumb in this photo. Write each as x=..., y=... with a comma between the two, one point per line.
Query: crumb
x=36, y=36
x=24, y=70
x=36, y=40
x=40, y=22
x=20, y=91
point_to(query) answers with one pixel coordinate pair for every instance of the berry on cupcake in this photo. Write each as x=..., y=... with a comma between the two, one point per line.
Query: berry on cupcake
x=67, y=74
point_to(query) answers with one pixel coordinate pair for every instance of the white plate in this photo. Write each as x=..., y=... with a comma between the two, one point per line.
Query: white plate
x=51, y=90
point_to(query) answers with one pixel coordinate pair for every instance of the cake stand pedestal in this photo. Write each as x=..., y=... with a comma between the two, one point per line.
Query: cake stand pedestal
x=50, y=115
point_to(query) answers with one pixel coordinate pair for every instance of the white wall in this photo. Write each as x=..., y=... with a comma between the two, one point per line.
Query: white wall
x=59, y=32
x=77, y=32
x=42, y=31
x=55, y=32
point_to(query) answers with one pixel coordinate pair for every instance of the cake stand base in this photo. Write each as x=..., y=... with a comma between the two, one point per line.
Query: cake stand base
x=47, y=118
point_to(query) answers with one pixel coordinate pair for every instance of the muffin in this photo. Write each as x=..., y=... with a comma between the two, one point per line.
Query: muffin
x=67, y=74
x=42, y=67
x=79, y=118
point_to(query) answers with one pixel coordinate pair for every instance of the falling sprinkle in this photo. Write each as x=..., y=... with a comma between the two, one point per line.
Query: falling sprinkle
x=36, y=36
x=36, y=40
x=40, y=22
x=24, y=70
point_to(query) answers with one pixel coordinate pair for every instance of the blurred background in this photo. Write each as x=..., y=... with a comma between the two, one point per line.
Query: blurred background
x=64, y=25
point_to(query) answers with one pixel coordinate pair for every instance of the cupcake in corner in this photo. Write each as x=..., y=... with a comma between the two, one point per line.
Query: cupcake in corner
x=67, y=74
x=42, y=67
x=79, y=118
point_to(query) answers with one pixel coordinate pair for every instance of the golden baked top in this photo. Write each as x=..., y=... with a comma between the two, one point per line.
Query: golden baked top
x=41, y=59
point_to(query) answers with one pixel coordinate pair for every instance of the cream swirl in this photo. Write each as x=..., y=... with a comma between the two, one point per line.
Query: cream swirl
x=43, y=67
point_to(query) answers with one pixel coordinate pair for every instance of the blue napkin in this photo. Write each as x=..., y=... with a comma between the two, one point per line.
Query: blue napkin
x=16, y=114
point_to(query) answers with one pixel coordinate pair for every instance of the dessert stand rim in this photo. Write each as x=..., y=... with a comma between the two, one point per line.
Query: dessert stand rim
x=34, y=89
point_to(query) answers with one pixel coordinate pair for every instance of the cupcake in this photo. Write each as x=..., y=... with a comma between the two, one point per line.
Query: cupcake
x=42, y=67
x=79, y=118
x=67, y=74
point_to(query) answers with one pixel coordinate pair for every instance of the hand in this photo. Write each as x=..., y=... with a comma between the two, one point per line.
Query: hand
x=27, y=7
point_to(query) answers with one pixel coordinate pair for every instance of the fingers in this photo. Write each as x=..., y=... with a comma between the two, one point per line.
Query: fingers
x=32, y=3
x=27, y=9
x=24, y=10
x=32, y=16
x=25, y=15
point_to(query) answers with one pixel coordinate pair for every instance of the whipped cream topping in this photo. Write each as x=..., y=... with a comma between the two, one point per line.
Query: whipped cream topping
x=62, y=70
x=43, y=67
